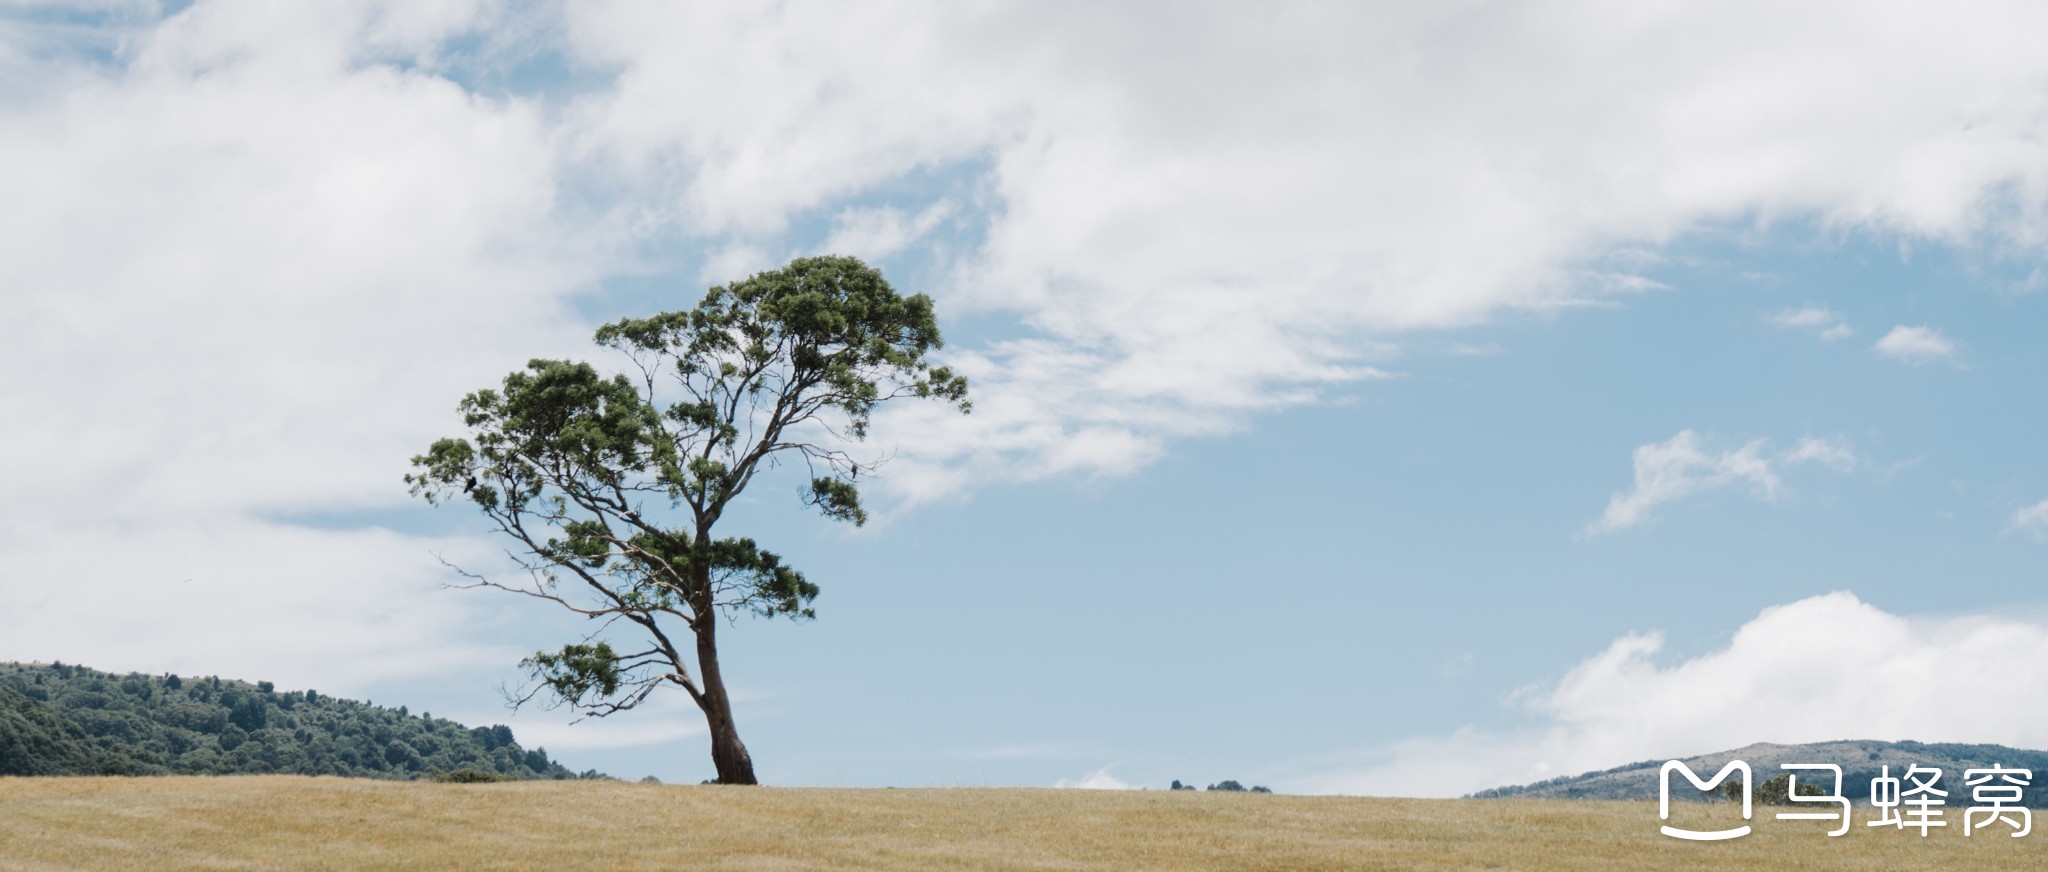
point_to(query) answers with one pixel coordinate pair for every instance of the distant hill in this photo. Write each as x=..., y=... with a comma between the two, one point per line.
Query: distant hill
x=57, y=719
x=1860, y=762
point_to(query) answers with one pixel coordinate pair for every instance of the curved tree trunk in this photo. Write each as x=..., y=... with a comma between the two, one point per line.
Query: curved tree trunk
x=728, y=753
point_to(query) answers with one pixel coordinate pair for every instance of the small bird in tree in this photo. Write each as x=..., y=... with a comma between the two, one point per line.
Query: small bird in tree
x=786, y=364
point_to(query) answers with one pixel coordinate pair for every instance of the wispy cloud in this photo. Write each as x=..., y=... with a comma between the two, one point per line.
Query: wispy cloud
x=878, y=232
x=1829, y=453
x=1824, y=668
x=1915, y=344
x=1820, y=320
x=2032, y=520
x=1685, y=464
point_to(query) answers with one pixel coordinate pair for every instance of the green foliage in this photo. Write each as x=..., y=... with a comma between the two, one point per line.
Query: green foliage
x=37, y=739
x=578, y=672
x=66, y=720
x=769, y=587
x=836, y=499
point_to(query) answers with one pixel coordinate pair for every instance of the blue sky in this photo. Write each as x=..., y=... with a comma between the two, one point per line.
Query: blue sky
x=1373, y=400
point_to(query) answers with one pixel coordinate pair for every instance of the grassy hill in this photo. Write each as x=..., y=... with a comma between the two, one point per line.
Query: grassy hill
x=1860, y=762
x=57, y=719
x=330, y=823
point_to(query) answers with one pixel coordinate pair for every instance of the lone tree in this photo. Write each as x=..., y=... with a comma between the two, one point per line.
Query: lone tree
x=591, y=474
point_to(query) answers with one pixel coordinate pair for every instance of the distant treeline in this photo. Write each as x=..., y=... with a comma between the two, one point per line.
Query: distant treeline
x=58, y=719
x=1224, y=786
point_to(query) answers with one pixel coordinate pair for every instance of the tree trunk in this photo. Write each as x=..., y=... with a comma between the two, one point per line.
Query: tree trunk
x=728, y=753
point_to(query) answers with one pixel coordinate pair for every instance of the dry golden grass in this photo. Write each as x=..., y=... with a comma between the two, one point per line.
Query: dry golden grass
x=279, y=822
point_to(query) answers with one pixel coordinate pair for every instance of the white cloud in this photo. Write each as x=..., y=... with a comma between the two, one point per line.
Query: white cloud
x=2032, y=520
x=268, y=312
x=249, y=269
x=1684, y=465
x=1100, y=779
x=736, y=261
x=877, y=232
x=1831, y=454
x=207, y=593
x=1810, y=316
x=1153, y=202
x=1824, y=322
x=1183, y=221
x=1824, y=668
x=1914, y=344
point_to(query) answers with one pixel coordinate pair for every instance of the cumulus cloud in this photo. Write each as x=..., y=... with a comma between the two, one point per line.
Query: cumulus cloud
x=1820, y=320
x=1173, y=202
x=248, y=270
x=1824, y=668
x=1684, y=465
x=2032, y=520
x=1915, y=344
x=1100, y=779
x=1184, y=221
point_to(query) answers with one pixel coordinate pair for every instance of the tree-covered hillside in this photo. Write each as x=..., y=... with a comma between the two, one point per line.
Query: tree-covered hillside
x=35, y=740
x=57, y=719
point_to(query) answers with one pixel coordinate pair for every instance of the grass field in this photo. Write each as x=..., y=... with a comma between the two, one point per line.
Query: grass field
x=330, y=823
